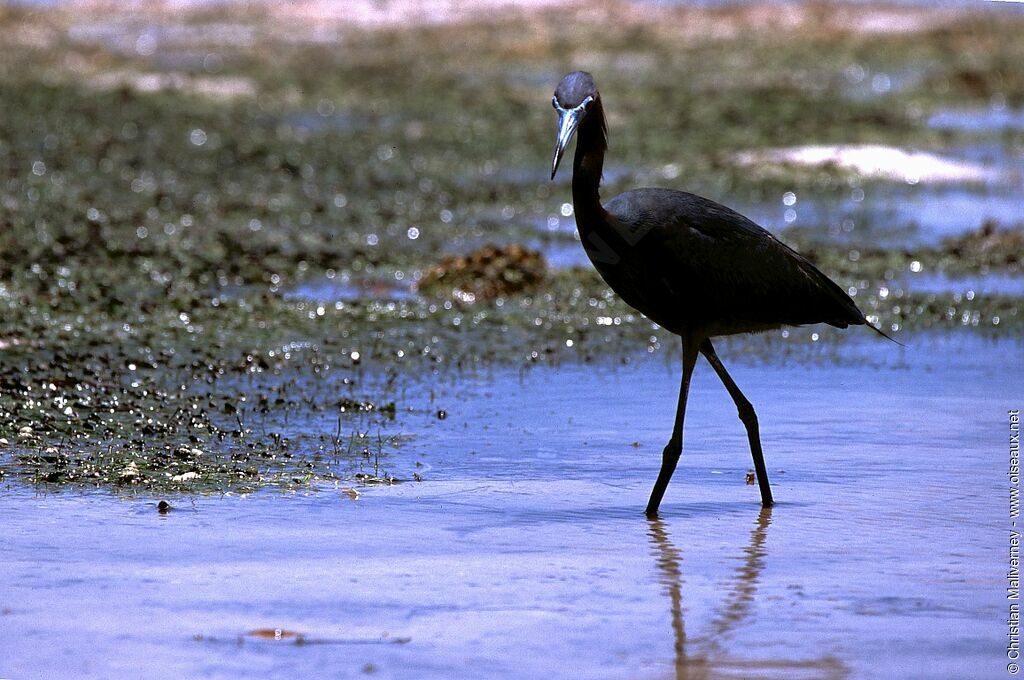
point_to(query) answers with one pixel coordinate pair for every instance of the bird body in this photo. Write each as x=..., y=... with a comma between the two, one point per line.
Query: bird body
x=689, y=263
x=693, y=266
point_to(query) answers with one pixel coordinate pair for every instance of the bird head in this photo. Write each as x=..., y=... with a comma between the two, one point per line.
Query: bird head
x=575, y=98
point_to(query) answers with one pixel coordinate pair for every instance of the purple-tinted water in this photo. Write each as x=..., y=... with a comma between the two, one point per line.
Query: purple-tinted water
x=524, y=552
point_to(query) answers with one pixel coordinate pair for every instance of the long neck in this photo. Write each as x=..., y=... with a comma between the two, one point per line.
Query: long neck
x=591, y=144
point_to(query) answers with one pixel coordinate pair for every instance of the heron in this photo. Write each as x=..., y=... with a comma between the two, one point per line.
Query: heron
x=696, y=268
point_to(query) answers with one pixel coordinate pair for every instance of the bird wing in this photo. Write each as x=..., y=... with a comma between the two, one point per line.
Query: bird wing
x=690, y=261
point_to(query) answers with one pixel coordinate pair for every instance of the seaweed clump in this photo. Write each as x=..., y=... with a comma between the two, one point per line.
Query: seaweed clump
x=988, y=246
x=485, y=274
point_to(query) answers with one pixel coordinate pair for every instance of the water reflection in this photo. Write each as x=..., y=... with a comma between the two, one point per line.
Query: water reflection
x=668, y=559
x=735, y=608
x=741, y=593
x=707, y=655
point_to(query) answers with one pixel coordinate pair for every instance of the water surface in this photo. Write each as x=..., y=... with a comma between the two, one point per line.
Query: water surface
x=524, y=551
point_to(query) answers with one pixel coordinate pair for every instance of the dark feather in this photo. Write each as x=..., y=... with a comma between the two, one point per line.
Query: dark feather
x=688, y=262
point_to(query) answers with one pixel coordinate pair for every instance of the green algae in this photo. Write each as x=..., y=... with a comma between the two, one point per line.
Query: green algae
x=149, y=240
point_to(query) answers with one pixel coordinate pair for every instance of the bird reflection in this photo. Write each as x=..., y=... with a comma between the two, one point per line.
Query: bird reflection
x=669, y=558
x=734, y=609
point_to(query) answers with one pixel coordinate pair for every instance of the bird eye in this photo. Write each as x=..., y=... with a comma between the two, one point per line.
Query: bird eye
x=554, y=102
x=588, y=103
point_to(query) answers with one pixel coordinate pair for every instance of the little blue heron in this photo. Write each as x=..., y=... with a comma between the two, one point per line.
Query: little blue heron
x=694, y=267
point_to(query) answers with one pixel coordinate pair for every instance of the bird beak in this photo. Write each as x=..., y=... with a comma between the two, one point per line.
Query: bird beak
x=568, y=121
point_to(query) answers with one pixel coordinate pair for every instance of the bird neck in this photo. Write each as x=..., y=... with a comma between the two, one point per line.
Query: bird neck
x=586, y=168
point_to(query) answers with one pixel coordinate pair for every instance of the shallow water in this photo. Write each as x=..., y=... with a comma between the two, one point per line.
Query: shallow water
x=524, y=551
x=989, y=284
x=896, y=216
x=992, y=119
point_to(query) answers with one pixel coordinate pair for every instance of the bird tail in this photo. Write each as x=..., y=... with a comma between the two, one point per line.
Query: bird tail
x=882, y=333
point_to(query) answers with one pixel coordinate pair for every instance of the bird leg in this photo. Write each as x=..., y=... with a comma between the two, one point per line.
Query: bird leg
x=749, y=418
x=674, y=448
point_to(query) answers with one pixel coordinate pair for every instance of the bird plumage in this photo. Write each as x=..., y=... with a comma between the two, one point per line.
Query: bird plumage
x=688, y=262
